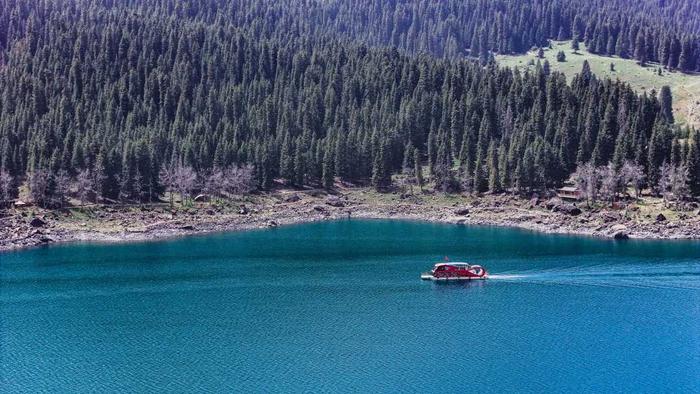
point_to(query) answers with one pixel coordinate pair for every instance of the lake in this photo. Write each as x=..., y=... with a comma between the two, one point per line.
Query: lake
x=339, y=307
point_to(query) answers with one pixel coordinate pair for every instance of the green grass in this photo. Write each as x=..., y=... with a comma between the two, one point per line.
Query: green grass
x=684, y=87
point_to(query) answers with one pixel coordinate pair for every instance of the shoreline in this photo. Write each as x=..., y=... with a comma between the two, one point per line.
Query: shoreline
x=109, y=225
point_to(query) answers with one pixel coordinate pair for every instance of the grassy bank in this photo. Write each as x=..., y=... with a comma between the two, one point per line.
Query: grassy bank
x=684, y=87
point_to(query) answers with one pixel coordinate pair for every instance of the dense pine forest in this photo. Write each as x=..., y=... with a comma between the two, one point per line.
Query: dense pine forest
x=131, y=97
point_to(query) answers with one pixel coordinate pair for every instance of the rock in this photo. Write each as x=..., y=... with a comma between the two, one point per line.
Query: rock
x=461, y=222
x=660, y=217
x=334, y=201
x=201, y=198
x=292, y=198
x=211, y=212
x=618, y=227
x=187, y=227
x=20, y=204
x=534, y=201
x=551, y=203
x=621, y=235
x=37, y=222
x=243, y=210
x=462, y=211
x=568, y=209
x=319, y=208
x=271, y=223
x=609, y=217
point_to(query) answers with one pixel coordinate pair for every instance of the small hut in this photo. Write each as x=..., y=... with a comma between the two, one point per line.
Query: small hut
x=570, y=193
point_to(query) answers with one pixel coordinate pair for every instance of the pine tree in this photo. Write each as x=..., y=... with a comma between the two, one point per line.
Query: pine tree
x=493, y=170
x=419, y=169
x=381, y=178
x=666, y=104
x=605, y=143
x=328, y=167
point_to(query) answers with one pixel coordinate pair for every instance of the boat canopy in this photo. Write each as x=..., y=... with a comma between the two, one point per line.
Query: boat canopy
x=453, y=264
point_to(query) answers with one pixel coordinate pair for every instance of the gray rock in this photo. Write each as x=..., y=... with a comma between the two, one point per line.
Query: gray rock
x=334, y=201
x=660, y=217
x=568, y=209
x=37, y=222
x=621, y=235
x=551, y=203
x=462, y=211
x=293, y=198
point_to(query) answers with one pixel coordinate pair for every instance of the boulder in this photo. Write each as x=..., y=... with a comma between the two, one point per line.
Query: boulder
x=292, y=198
x=568, y=209
x=243, y=210
x=271, y=223
x=319, y=208
x=609, y=217
x=551, y=203
x=621, y=235
x=37, y=222
x=618, y=227
x=461, y=222
x=20, y=204
x=534, y=201
x=187, y=227
x=462, y=211
x=660, y=217
x=201, y=198
x=334, y=201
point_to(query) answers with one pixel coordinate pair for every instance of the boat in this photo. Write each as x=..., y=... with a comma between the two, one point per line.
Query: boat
x=455, y=271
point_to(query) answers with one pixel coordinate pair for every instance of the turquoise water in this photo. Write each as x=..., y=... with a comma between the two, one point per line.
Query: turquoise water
x=339, y=307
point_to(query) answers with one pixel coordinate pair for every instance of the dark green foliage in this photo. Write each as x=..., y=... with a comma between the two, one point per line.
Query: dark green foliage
x=666, y=103
x=125, y=89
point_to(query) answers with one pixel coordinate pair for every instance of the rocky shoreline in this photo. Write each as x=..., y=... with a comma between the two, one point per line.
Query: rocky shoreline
x=29, y=228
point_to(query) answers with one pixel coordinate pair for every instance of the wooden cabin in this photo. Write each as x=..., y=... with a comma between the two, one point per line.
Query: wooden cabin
x=570, y=193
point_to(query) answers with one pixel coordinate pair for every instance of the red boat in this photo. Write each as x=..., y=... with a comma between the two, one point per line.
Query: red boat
x=455, y=271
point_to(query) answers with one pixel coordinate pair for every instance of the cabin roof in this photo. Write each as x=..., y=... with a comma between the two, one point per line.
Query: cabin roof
x=568, y=189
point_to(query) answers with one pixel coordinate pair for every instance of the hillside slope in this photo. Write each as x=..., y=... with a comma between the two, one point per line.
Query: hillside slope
x=685, y=87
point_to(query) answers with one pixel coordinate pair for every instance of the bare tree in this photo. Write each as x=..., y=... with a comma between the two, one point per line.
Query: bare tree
x=666, y=181
x=6, y=183
x=633, y=175
x=214, y=184
x=610, y=182
x=63, y=183
x=85, y=185
x=167, y=179
x=240, y=180
x=680, y=183
x=39, y=181
x=586, y=180
x=185, y=181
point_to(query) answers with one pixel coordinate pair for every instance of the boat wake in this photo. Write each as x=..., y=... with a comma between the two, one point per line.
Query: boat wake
x=664, y=276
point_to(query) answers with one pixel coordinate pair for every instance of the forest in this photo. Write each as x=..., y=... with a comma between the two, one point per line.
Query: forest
x=126, y=99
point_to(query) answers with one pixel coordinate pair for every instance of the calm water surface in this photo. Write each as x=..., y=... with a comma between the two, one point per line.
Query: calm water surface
x=339, y=307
